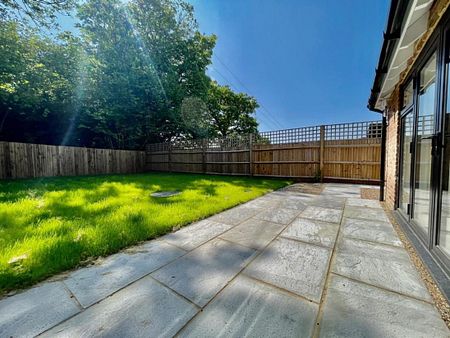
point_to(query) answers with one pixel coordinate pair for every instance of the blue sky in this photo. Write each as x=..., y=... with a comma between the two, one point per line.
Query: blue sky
x=307, y=62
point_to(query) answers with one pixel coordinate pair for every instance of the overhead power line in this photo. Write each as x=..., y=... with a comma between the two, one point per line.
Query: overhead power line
x=274, y=124
x=269, y=114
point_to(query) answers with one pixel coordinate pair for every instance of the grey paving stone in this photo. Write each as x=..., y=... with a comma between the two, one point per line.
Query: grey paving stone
x=358, y=202
x=366, y=213
x=203, y=272
x=322, y=214
x=262, y=203
x=234, y=216
x=96, y=282
x=38, y=309
x=247, y=308
x=293, y=202
x=354, y=309
x=350, y=191
x=381, y=265
x=278, y=215
x=298, y=267
x=381, y=232
x=254, y=233
x=331, y=202
x=196, y=234
x=312, y=231
x=143, y=309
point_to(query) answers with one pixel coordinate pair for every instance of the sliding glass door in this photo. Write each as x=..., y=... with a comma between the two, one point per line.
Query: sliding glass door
x=425, y=133
x=443, y=239
x=407, y=127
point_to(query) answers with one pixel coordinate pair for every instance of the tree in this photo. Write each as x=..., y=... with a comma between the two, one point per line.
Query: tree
x=150, y=58
x=231, y=113
x=42, y=12
x=38, y=82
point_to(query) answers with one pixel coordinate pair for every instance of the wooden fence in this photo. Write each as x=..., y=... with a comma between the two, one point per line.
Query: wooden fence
x=350, y=151
x=23, y=160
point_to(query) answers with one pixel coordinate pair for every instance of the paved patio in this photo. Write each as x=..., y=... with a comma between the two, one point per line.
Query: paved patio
x=293, y=263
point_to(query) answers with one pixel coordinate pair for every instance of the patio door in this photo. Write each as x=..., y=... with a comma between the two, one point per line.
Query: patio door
x=407, y=128
x=443, y=228
x=425, y=136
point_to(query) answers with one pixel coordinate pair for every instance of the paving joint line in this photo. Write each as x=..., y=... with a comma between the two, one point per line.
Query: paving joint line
x=257, y=254
x=323, y=297
x=382, y=288
x=290, y=293
x=308, y=243
x=377, y=243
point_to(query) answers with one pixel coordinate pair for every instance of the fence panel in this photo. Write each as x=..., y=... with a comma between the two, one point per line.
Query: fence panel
x=348, y=151
x=23, y=160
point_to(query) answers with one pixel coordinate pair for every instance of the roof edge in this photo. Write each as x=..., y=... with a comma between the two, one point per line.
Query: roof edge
x=391, y=35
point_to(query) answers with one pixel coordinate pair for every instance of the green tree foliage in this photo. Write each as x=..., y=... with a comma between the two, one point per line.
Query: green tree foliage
x=135, y=74
x=38, y=79
x=229, y=112
x=41, y=12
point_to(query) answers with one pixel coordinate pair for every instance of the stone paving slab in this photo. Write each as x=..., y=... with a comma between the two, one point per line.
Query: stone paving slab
x=196, y=234
x=294, y=266
x=354, y=309
x=328, y=202
x=91, y=284
x=381, y=265
x=248, y=308
x=373, y=231
x=358, y=202
x=30, y=313
x=203, y=272
x=278, y=215
x=234, y=216
x=322, y=214
x=292, y=202
x=144, y=309
x=366, y=213
x=261, y=203
x=253, y=233
x=311, y=231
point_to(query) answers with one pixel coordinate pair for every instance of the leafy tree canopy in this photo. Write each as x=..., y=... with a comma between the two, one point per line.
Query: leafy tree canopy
x=41, y=12
x=135, y=74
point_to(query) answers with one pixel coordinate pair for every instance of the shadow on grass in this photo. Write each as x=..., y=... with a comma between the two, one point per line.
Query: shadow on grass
x=67, y=220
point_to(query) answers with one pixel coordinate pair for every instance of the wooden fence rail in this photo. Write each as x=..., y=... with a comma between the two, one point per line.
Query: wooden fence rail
x=23, y=160
x=350, y=151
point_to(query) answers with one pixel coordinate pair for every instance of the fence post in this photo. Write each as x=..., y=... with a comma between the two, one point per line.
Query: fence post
x=322, y=151
x=204, y=144
x=170, y=157
x=250, y=155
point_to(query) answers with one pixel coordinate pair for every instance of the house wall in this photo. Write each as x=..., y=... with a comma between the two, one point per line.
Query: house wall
x=437, y=11
x=392, y=158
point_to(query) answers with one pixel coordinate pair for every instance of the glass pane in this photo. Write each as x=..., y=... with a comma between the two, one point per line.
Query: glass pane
x=444, y=239
x=425, y=130
x=408, y=95
x=405, y=180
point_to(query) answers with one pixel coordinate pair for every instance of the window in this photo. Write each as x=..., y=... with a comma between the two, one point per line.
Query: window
x=408, y=94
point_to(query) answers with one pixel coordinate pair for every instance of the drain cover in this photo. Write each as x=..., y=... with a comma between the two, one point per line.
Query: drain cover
x=165, y=193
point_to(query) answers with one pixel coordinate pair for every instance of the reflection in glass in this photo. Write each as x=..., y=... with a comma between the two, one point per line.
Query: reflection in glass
x=425, y=130
x=444, y=239
x=408, y=95
x=405, y=179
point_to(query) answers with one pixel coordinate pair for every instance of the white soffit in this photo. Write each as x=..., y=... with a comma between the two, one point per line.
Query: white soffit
x=415, y=26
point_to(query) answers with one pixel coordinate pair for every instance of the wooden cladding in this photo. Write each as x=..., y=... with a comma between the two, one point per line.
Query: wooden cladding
x=23, y=160
x=349, y=151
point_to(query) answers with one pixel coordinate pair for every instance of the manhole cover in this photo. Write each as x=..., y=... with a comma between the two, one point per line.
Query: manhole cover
x=165, y=193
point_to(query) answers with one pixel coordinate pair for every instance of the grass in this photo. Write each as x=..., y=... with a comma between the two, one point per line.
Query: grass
x=55, y=224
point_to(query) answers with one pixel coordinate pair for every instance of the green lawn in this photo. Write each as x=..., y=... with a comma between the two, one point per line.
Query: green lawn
x=54, y=224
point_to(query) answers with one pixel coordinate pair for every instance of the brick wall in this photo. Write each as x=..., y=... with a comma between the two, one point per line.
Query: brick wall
x=392, y=156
